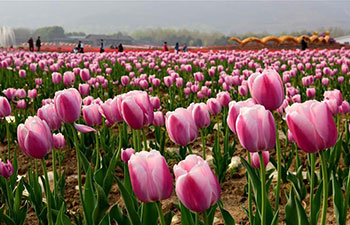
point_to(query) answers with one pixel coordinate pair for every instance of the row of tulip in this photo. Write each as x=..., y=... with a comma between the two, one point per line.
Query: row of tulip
x=263, y=99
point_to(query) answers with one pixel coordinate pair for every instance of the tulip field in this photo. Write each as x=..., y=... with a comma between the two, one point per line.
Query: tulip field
x=191, y=138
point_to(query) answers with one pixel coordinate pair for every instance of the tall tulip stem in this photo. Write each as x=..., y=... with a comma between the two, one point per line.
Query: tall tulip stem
x=312, y=185
x=325, y=187
x=279, y=169
x=144, y=139
x=97, y=149
x=205, y=217
x=250, y=208
x=160, y=213
x=8, y=138
x=47, y=190
x=54, y=170
x=263, y=189
x=204, y=142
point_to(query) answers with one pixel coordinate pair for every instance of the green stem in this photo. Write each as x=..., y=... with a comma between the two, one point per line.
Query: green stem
x=139, y=141
x=325, y=187
x=312, y=185
x=97, y=152
x=347, y=195
x=196, y=219
x=205, y=218
x=120, y=136
x=134, y=140
x=203, y=142
x=189, y=149
x=263, y=189
x=279, y=170
x=144, y=139
x=48, y=197
x=160, y=213
x=8, y=138
x=54, y=171
x=76, y=145
x=250, y=208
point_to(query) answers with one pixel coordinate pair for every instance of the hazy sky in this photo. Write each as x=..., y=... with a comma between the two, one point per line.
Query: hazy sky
x=223, y=16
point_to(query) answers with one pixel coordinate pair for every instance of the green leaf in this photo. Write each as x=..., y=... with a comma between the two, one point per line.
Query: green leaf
x=117, y=215
x=186, y=215
x=108, y=180
x=133, y=216
x=149, y=213
x=338, y=202
x=228, y=219
x=295, y=213
x=101, y=206
x=89, y=197
x=105, y=220
x=168, y=217
x=316, y=205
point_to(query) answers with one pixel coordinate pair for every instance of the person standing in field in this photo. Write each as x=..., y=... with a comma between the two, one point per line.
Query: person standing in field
x=184, y=48
x=38, y=43
x=176, y=47
x=303, y=44
x=102, y=47
x=31, y=44
x=120, y=47
x=165, y=46
x=81, y=47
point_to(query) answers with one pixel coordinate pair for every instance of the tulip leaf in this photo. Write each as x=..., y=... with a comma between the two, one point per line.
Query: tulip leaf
x=295, y=213
x=338, y=202
x=108, y=180
x=6, y=218
x=168, y=217
x=149, y=213
x=186, y=215
x=89, y=198
x=316, y=205
x=211, y=213
x=117, y=215
x=101, y=206
x=105, y=220
x=134, y=217
x=228, y=219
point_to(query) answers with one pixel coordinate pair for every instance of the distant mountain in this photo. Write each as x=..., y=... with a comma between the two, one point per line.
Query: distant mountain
x=223, y=16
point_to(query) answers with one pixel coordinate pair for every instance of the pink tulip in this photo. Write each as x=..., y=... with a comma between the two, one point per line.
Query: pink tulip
x=21, y=104
x=109, y=109
x=196, y=185
x=290, y=137
x=224, y=98
x=85, y=74
x=256, y=130
x=200, y=115
x=91, y=115
x=49, y=115
x=325, y=81
x=126, y=154
x=20, y=93
x=68, y=105
x=32, y=93
x=233, y=112
x=68, y=79
x=84, y=129
x=56, y=78
x=125, y=80
x=5, y=107
x=84, y=89
x=159, y=119
x=214, y=106
x=137, y=109
x=255, y=159
x=22, y=73
x=181, y=127
x=334, y=95
x=34, y=137
x=303, y=120
x=6, y=169
x=155, y=102
x=59, y=141
x=267, y=89
x=345, y=107
x=310, y=92
x=150, y=176
x=9, y=92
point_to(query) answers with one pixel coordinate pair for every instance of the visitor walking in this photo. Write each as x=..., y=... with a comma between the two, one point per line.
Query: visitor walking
x=176, y=47
x=184, y=48
x=38, y=43
x=102, y=47
x=165, y=46
x=120, y=47
x=31, y=44
x=303, y=44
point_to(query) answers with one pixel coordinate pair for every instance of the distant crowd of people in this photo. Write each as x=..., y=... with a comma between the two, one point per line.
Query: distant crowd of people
x=37, y=44
x=176, y=47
